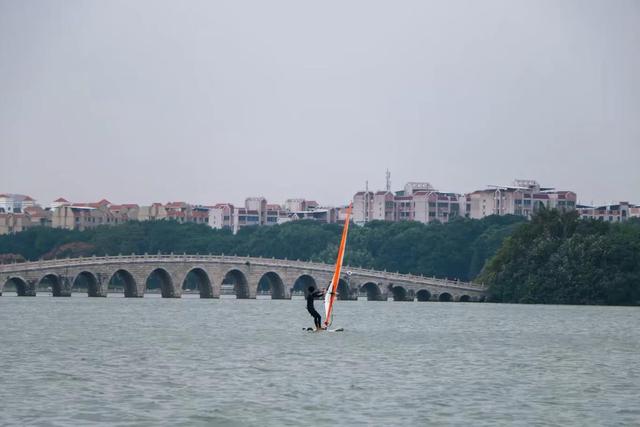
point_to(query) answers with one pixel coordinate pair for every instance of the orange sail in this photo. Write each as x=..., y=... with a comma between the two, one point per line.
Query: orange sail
x=330, y=295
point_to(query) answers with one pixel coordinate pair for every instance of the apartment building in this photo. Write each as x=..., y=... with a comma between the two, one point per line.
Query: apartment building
x=221, y=216
x=615, y=212
x=156, y=211
x=15, y=203
x=418, y=201
x=81, y=216
x=19, y=212
x=429, y=206
x=523, y=197
x=13, y=222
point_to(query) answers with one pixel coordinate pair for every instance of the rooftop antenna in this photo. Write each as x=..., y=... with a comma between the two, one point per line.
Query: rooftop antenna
x=388, y=176
x=366, y=201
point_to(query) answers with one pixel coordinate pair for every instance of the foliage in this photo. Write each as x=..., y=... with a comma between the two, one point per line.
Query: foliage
x=457, y=249
x=557, y=258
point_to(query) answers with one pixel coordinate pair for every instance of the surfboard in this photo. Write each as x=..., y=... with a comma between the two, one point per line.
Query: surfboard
x=323, y=330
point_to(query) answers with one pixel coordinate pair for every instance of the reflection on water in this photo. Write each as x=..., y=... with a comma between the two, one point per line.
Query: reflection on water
x=152, y=361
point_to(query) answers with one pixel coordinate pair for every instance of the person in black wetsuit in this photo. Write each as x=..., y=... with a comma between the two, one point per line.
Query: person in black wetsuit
x=311, y=295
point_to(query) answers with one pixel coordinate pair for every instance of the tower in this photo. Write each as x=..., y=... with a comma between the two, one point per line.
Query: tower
x=388, y=178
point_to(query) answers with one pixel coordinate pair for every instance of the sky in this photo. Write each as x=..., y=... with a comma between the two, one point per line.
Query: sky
x=214, y=101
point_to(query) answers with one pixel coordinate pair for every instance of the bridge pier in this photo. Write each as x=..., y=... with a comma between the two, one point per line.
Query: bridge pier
x=64, y=287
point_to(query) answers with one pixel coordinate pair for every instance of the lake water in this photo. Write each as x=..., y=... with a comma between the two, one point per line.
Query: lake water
x=154, y=361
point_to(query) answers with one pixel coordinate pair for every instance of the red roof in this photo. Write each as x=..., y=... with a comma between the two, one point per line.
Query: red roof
x=61, y=200
x=176, y=205
x=28, y=199
x=541, y=196
x=125, y=206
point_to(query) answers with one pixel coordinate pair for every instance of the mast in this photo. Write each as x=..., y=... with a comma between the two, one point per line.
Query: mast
x=330, y=295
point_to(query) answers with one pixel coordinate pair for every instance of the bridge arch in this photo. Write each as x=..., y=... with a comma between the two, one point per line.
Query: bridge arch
x=122, y=279
x=271, y=282
x=54, y=281
x=464, y=298
x=423, y=295
x=445, y=297
x=302, y=284
x=160, y=278
x=239, y=281
x=372, y=290
x=17, y=282
x=198, y=279
x=87, y=280
x=399, y=293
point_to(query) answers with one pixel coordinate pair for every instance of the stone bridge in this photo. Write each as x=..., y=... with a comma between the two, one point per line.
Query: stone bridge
x=211, y=276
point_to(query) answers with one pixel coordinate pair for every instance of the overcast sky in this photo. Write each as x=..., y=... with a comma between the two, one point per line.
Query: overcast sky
x=213, y=101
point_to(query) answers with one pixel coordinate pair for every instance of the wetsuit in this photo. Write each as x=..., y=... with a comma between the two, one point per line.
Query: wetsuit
x=317, y=319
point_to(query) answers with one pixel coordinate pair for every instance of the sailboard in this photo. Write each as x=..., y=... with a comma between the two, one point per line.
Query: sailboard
x=331, y=293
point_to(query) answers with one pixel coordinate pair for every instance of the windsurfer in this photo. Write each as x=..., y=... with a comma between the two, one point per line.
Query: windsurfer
x=311, y=296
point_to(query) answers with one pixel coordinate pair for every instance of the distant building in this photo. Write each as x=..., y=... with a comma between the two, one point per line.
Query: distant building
x=82, y=216
x=429, y=206
x=38, y=216
x=125, y=212
x=15, y=203
x=222, y=216
x=19, y=212
x=154, y=212
x=257, y=205
x=362, y=211
x=523, y=198
x=244, y=217
x=418, y=201
x=617, y=212
x=275, y=214
x=383, y=206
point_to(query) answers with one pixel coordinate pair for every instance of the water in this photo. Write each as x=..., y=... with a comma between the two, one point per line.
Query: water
x=154, y=361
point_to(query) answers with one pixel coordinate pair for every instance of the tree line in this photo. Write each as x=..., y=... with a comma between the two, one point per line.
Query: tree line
x=457, y=250
x=557, y=258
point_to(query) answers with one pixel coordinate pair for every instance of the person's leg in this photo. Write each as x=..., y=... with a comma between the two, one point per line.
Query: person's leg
x=317, y=320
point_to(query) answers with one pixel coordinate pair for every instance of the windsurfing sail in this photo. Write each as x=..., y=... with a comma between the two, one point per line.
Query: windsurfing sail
x=330, y=295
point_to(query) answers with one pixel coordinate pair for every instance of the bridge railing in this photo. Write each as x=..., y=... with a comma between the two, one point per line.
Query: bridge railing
x=234, y=259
